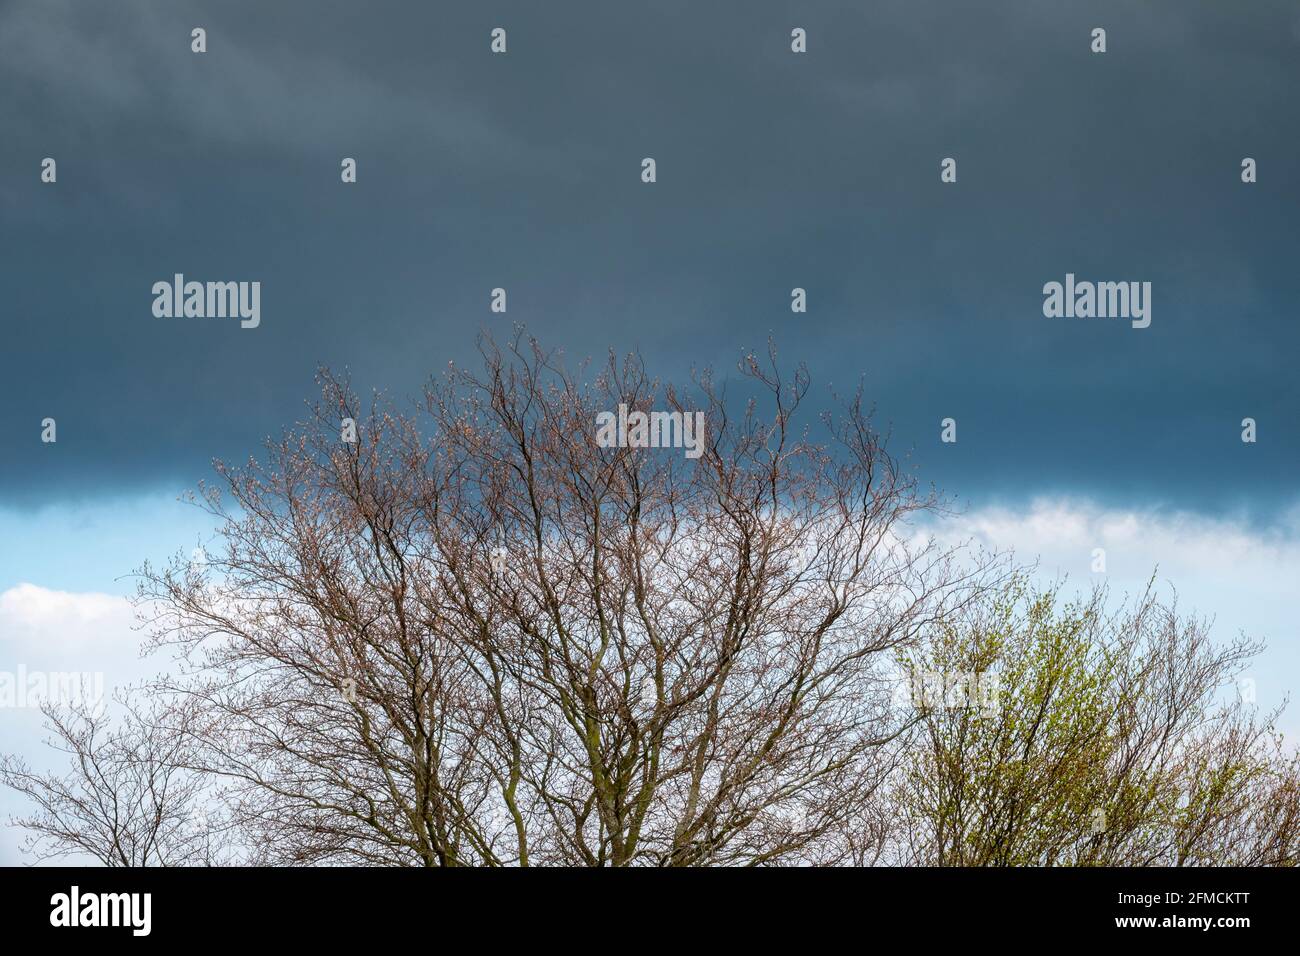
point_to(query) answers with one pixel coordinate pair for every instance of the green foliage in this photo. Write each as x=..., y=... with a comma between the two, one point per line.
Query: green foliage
x=1108, y=743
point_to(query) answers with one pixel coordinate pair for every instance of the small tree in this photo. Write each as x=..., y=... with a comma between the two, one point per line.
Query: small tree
x=129, y=798
x=1112, y=741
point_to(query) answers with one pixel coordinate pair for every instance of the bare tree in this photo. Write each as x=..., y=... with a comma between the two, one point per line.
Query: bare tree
x=128, y=799
x=476, y=636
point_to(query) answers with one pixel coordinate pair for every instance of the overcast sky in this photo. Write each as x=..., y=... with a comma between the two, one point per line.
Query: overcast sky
x=775, y=171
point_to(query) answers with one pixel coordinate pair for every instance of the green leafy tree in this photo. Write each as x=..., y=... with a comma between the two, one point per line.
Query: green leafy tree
x=1056, y=733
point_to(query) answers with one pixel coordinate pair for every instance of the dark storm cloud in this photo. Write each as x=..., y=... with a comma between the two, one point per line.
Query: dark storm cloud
x=775, y=171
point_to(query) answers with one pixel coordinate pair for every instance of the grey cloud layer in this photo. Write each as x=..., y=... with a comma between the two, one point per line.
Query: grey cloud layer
x=521, y=171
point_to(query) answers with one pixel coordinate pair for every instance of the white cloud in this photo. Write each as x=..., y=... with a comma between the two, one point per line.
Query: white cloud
x=1196, y=553
x=1241, y=576
x=46, y=633
x=39, y=621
